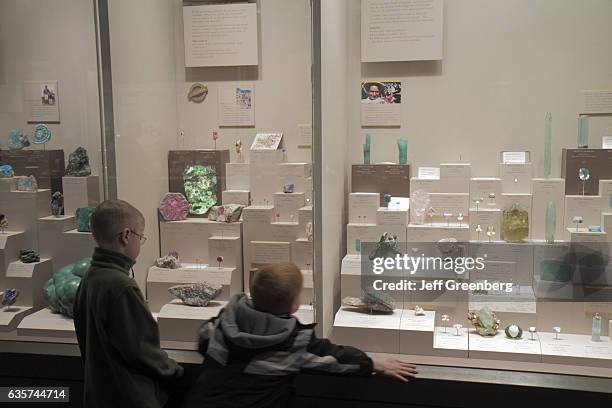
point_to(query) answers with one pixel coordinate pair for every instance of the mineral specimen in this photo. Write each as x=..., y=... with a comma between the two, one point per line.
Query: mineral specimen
x=485, y=321
x=387, y=247
x=174, y=207
x=83, y=218
x=419, y=203
x=515, y=224
x=200, y=187
x=367, y=149
x=42, y=134
x=551, y=222
x=402, y=145
x=29, y=256
x=26, y=183
x=3, y=223
x=60, y=290
x=57, y=204
x=226, y=213
x=9, y=297
x=309, y=231
x=288, y=188
x=170, y=261
x=418, y=311
x=6, y=171
x=371, y=301
x=197, y=93
x=196, y=294
x=583, y=131
x=17, y=140
x=514, y=331
x=220, y=261
x=78, y=164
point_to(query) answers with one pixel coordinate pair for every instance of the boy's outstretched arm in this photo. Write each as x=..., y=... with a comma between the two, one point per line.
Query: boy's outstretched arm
x=134, y=334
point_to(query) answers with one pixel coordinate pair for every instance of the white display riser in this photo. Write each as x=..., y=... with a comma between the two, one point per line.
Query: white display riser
x=190, y=237
x=543, y=192
x=287, y=206
x=302, y=253
x=180, y=322
x=307, y=294
x=78, y=245
x=605, y=191
x=45, y=323
x=576, y=349
x=10, y=319
x=237, y=176
x=23, y=209
x=230, y=248
x=29, y=280
x=242, y=197
x=452, y=203
x=516, y=178
x=454, y=178
x=80, y=192
x=505, y=271
x=7, y=184
x=368, y=332
x=11, y=242
x=499, y=347
x=363, y=206
x=258, y=214
x=160, y=279
x=518, y=253
x=447, y=343
x=485, y=217
x=588, y=207
x=606, y=222
x=304, y=217
x=437, y=231
x=481, y=187
x=416, y=333
x=591, y=240
x=386, y=217
x=51, y=231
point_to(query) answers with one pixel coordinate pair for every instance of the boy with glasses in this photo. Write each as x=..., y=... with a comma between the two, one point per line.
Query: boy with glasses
x=118, y=337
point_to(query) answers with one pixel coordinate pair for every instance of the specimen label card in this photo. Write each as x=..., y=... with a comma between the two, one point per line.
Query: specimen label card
x=42, y=101
x=515, y=157
x=429, y=173
x=263, y=252
x=304, y=135
x=236, y=105
x=401, y=30
x=381, y=103
x=220, y=35
x=606, y=142
x=596, y=101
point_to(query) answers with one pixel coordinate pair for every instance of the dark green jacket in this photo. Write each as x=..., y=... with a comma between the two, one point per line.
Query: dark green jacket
x=119, y=339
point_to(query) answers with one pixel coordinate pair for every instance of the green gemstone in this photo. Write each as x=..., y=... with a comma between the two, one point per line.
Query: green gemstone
x=551, y=222
x=83, y=217
x=200, y=184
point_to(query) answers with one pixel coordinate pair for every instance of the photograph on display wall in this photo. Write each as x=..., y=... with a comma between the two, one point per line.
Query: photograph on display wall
x=42, y=101
x=381, y=103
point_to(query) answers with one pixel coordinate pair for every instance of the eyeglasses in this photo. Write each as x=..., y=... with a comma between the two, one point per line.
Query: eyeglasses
x=142, y=238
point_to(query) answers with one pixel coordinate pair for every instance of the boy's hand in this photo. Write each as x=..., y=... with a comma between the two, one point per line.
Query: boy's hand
x=393, y=367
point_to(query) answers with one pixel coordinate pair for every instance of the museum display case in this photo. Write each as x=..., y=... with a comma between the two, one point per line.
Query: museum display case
x=446, y=193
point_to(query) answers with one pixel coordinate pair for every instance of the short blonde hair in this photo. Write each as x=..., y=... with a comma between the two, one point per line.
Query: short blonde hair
x=276, y=288
x=110, y=217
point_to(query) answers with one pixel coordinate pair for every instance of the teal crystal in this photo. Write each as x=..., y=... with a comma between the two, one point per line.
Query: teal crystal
x=402, y=145
x=78, y=164
x=551, y=222
x=583, y=132
x=17, y=140
x=83, y=218
x=547, y=144
x=60, y=290
x=42, y=134
x=200, y=188
x=366, y=149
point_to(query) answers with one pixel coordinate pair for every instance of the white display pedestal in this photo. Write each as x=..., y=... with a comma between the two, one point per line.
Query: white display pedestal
x=584, y=235
x=287, y=206
x=236, y=197
x=77, y=245
x=485, y=217
x=482, y=187
x=237, y=176
x=302, y=253
x=45, y=323
x=516, y=177
x=230, y=248
x=386, y=217
x=80, y=192
x=500, y=347
x=50, y=237
x=307, y=295
x=23, y=209
x=447, y=343
x=576, y=349
x=350, y=276
x=587, y=207
x=305, y=314
x=180, y=322
x=9, y=319
x=160, y=279
x=369, y=332
x=29, y=279
x=363, y=206
x=10, y=244
x=434, y=232
x=455, y=177
x=190, y=237
x=416, y=333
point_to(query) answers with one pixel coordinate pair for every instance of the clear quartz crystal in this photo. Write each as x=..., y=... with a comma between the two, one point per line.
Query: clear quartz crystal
x=596, y=332
x=551, y=222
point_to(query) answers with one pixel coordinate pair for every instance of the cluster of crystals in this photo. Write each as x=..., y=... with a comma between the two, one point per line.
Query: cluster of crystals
x=174, y=207
x=29, y=256
x=78, y=164
x=17, y=140
x=6, y=171
x=9, y=297
x=200, y=184
x=60, y=290
x=387, y=247
x=170, y=261
x=57, y=204
x=196, y=294
x=485, y=321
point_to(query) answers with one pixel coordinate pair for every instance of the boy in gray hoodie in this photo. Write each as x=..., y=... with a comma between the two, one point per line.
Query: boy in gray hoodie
x=255, y=347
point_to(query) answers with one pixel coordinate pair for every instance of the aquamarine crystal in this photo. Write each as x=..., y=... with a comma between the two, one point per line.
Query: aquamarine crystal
x=402, y=145
x=366, y=149
x=200, y=188
x=551, y=222
x=583, y=132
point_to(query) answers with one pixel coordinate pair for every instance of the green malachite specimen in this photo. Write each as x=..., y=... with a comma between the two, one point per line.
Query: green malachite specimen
x=78, y=164
x=402, y=145
x=554, y=270
x=83, y=217
x=485, y=321
x=515, y=224
x=551, y=222
x=200, y=188
x=547, y=145
x=366, y=149
x=583, y=132
x=60, y=290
